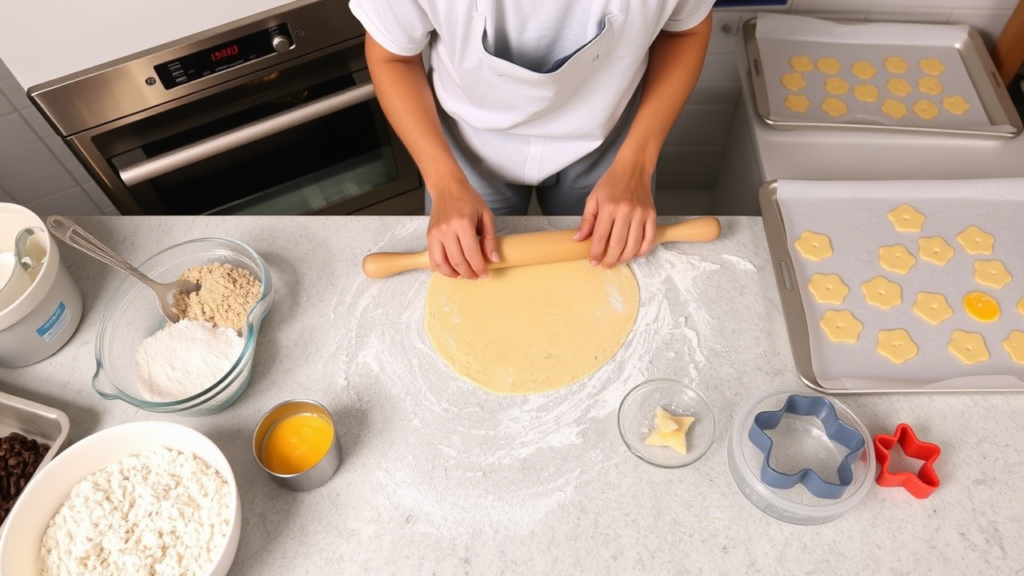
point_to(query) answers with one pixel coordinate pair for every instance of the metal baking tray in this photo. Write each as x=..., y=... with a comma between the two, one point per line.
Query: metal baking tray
x=42, y=423
x=793, y=312
x=980, y=69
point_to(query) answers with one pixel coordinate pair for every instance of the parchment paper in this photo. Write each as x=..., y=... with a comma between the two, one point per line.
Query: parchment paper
x=854, y=216
x=781, y=36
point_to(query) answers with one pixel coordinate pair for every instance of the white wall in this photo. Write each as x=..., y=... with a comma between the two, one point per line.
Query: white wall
x=37, y=170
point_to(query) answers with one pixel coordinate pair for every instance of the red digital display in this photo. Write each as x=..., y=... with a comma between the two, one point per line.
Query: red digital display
x=224, y=52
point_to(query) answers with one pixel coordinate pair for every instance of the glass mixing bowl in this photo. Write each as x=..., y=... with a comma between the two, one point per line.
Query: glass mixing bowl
x=132, y=315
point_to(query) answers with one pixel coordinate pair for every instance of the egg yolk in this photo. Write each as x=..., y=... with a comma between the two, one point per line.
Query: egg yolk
x=297, y=443
x=981, y=307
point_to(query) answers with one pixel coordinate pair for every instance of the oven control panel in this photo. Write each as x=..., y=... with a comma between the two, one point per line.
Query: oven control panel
x=274, y=40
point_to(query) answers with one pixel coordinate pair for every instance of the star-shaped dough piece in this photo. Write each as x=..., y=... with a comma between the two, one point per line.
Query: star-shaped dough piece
x=935, y=250
x=828, y=288
x=968, y=347
x=906, y=219
x=896, y=258
x=1014, y=346
x=882, y=293
x=793, y=81
x=991, y=273
x=896, y=345
x=976, y=241
x=933, y=308
x=896, y=65
x=801, y=63
x=932, y=66
x=669, y=430
x=929, y=85
x=956, y=104
x=865, y=92
x=841, y=326
x=836, y=85
x=828, y=66
x=894, y=108
x=813, y=246
x=899, y=86
x=863, y=70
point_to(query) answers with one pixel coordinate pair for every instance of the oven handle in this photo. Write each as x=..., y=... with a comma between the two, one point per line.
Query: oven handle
x=203, y=149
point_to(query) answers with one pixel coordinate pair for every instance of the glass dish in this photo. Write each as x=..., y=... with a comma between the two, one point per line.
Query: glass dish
x=132, y=315
x=636, y=421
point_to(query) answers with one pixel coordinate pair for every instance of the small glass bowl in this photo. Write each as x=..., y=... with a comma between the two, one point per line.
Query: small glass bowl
x=636, y=421
x=132, y=315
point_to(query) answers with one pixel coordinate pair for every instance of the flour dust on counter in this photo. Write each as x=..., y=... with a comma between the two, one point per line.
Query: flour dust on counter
x=488, y=462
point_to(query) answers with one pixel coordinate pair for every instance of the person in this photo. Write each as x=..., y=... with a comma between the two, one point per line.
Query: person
x=570, y=98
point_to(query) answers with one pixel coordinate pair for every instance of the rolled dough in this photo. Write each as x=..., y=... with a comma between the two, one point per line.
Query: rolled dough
x=533, y=328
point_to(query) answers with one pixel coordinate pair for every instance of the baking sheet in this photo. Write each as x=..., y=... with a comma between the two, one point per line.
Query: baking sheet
x=854, y=216
x=780, y=37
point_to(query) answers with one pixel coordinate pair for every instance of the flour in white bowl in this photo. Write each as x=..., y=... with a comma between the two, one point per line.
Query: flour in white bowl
x=160, y=513
x=184, y=358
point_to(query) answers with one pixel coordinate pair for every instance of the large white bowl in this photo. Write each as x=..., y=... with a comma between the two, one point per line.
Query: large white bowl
x=24, y=528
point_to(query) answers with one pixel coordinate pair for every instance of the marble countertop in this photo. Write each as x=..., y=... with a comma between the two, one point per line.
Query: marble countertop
x=442, y=477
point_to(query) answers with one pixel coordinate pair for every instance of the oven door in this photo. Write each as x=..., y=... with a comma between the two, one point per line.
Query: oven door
x=309, y=138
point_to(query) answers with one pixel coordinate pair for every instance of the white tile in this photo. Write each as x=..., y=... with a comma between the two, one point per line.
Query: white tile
x=15, y=93
x=41, y=185
x=99, y=198
x=60, y=150
x=723, y=33
x=73, y=202
x=989, y=23
x=38, y=124
x=79, y=173
x=5, y=106
x=14, y=133
x=5, y=72
x=26, y=162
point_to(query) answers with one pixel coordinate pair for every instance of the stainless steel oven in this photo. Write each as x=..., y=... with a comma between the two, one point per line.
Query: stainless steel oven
x=274, y=114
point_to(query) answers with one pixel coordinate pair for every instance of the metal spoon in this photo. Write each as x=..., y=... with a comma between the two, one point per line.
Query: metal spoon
x=69, y=232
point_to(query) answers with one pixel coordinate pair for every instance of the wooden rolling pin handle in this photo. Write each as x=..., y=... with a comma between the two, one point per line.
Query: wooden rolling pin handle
x=540, y=248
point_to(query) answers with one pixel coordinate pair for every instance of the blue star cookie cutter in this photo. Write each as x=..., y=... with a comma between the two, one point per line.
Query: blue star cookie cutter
x=835, y=430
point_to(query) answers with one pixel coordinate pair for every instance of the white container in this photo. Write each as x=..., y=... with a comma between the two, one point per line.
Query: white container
x=36, y=325
x=24, y=528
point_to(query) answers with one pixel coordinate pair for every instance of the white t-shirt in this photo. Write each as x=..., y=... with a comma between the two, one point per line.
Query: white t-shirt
x=529, y=86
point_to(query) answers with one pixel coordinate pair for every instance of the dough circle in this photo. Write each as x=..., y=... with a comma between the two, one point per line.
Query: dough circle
x=896, y=65
x=956, y=104
x=793, y=81
x=801, y=63
x=797, y=103
x=926, y=109
x=929, y=85
x=828, y=66
x=531, y=329
x=899, y=86
x=863, y=70
x=894, y=108
x=866, y=92
x=836, y=85
x=834, y=107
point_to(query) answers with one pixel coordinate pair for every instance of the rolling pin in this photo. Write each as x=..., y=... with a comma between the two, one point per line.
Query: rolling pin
x=539, y=248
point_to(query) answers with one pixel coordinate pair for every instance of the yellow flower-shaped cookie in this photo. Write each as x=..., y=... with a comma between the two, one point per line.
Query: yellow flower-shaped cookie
x=926, y=109
x=797, y=103
x=865, y=92
x=899, y=86
x=1020, y=306
x=906, y=219
x=976, y=241
x=896, y=65
x=935, y=250
x=836, y=85
x=828, y=288
x=894, y=108
x=813, y=246
x=933, y=308
x=956, y=104
x=882, y=293
x=828, y=66
x=834, y=107
x=896, y=258
x=896, y=345
x=968, y=347
x=932, y=66
x=929, y=85
x=991, y=273
x=1014, y=346
x=841, y=326
x=801, y=63
x=793, y=81
x=863, y=70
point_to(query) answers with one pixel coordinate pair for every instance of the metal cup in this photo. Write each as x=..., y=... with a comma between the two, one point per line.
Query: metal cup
x=323, y=470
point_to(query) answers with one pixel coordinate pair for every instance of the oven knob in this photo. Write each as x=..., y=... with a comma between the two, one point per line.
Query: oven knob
x=280, y=43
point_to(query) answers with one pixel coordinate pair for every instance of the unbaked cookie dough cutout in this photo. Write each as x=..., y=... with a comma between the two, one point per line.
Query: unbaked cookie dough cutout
x=896, y=65
x=896, y=258
x=882, y=293
x=976, y=241
x=531, y=329
x=841, y=326
x=926, y=109
x=929, y=85
x=1020, y=306
x=932, y=66
x=828, y=288
x=813, y=246
x=894, y=108
x=935, y=249
x=829, y=66
x=1014, y=346
x=906, y=218
x=896, y=345
x=669, y=430
x=956, y=105
x=834, y=107
x=899, y=86
x=863, y=70
x=801, y=63
x=797, y=103
x=865, y=92
x=968, y=347
x=991, y=273
x=932, y=308
x=793, y=81
x=836, y=85
x=981, y=307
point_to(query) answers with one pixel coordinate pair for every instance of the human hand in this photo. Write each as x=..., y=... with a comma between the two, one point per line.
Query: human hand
x=460, y=236
x=619, y=216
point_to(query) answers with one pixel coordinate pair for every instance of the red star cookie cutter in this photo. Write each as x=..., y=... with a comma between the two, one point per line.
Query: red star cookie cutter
x=920, y=485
